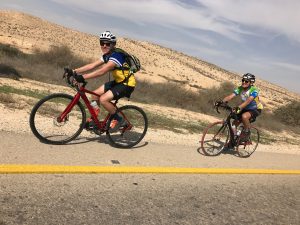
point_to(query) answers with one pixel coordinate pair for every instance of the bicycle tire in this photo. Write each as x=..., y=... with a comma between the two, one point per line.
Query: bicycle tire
x=247, y=148
x=43, y=119
x=214, y=138
x=134, y=128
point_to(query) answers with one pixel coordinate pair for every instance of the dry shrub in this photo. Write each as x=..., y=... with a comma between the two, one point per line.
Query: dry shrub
x=7, y=98
x=60, y=56
x=167, y=94
x=289, y=114
x=209, y=96
x=268, y=121
x=9, y=71
x=8, y=50
x=45, y=66
x=175, y=95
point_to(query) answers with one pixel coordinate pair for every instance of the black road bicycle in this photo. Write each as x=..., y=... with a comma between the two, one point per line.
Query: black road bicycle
x=220, y=136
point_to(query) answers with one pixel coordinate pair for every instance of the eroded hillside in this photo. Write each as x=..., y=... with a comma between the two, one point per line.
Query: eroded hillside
x=159, y=64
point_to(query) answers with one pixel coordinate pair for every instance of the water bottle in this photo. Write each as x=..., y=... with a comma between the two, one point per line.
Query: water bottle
x=239, y=131
x=234, y=129
x=95, y=106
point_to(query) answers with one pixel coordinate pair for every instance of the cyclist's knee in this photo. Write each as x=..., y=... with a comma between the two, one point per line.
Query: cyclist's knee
x=104, y=99
x=246, y=116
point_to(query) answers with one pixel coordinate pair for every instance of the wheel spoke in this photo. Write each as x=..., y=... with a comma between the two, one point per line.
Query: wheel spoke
x=45, y=116
x=214, y=138
x=133, y=130
x=247, y=148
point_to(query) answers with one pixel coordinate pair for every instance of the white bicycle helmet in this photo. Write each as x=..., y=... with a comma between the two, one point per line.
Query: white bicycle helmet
x=249, y=76
x=108, y=36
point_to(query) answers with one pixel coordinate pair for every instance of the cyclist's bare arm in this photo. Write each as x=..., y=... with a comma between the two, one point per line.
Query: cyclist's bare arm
x=229, y=97
x=89, y=66
x=245, y=103
x=109, y=66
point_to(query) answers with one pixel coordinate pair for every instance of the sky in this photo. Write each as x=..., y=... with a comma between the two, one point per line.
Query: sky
x=257, y=36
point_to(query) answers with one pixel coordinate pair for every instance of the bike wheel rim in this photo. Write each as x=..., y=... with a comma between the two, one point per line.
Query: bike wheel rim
x=134, y=130
x=44, y=122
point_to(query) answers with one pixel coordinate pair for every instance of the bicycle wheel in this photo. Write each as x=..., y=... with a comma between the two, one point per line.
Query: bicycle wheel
x=45, y=126
x=245, y=149
x=214, y=138
x=132, y=131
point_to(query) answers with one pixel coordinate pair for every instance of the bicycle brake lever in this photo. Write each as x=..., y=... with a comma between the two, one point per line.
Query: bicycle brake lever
x=217, y=109
x=67, y=77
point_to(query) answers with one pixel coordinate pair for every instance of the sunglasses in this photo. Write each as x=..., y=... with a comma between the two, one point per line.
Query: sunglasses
x=245, y=81
x=102, y=43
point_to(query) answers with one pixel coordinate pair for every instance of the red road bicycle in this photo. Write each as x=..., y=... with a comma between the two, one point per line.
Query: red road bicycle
x=219, y=136
x=60, y=118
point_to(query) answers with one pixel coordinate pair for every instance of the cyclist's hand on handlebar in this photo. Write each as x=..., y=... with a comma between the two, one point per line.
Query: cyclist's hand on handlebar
x=68, y=71
x=71, y=73
x=236, y=110
x=79, y=78
x=218, y=103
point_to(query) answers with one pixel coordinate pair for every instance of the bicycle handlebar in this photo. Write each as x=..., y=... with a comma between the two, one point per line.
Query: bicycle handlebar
x=69, y=77
x=224, y=106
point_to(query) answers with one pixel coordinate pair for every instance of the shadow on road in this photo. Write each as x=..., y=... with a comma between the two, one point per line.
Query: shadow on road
x=100, y=139
x=226, y=151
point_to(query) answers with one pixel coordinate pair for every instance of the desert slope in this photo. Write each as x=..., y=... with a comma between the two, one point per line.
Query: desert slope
x=159, y=64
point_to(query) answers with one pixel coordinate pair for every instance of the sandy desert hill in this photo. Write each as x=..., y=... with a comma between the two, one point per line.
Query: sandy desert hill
x=159, y=64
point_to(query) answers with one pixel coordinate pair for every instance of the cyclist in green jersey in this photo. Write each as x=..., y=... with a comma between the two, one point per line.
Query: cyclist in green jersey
x=250, y=107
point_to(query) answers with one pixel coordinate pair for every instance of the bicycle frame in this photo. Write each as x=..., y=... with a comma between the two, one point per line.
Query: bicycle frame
x=81, y=93
x=232, y=139
x=227, y=122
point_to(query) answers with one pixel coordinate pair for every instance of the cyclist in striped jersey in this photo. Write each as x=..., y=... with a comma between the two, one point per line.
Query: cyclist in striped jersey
x=122, y=86
x=250, y=107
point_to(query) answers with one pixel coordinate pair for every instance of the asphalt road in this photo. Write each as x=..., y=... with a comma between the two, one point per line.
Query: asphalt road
x=143, y=198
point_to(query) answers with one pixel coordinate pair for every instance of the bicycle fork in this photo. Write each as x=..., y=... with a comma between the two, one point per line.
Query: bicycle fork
x=64, y=115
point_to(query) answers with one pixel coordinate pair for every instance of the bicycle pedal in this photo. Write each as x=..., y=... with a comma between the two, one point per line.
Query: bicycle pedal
x=88, y=128
x=90, y=123
x=246, y=143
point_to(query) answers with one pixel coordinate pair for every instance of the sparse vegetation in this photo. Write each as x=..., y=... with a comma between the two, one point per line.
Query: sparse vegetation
x=35, y=94
x=9, y=71
x=7, y=98
x=58, y=56
x=7, y=50
x=175, y=95
x=177, y=126
x=48, y=66
x=289, y=113
x=45, y=66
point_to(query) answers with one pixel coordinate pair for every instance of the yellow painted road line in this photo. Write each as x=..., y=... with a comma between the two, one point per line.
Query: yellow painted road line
x=57, y=169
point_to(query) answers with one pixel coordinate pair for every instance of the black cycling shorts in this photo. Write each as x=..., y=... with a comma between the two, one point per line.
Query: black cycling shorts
x=119, y=90
x=254, y=113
